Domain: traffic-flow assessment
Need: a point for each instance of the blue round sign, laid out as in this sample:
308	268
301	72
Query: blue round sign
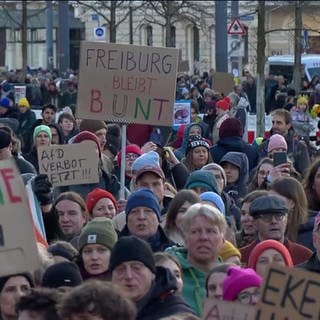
99	32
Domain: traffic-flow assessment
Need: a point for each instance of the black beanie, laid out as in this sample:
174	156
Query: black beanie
63	274
129	249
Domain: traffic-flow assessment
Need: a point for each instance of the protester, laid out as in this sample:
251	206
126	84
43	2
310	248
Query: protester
266	253
215	279
56	133
12	288
204	228
151	288
7	110
95	243
270	218
165	260
200	181
222	111
68	126
96	300
101	203
242	285
48	114
62	251
40	304
143	219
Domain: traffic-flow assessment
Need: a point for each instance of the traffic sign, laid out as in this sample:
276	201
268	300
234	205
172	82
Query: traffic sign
99	33
236	28
235	47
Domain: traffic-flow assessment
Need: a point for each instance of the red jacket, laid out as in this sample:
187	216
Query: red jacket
298	252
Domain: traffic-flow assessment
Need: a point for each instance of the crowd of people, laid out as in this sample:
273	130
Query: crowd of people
204	214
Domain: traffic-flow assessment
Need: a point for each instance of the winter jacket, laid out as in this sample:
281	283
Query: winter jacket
161	301
297	152
237	190
305	231
194	280
158	242
32	157
298	252
12	112
313	264
235	143
23	165
25	131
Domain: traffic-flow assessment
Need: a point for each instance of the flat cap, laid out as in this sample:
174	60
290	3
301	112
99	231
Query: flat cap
267	205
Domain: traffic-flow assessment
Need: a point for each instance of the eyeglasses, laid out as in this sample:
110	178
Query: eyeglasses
247	297
131	156
269	217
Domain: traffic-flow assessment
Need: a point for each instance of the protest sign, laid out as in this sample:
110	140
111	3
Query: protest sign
222	82
19	92
18	250
127	83
181	112
289	294
218	310
69	164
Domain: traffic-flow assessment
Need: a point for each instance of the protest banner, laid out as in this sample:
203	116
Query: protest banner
289	294
222	82
18	250
69	164
127	83
219	310
181	112
19	92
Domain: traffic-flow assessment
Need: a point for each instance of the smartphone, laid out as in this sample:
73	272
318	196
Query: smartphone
279	158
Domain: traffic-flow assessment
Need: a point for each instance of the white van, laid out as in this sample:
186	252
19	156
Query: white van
283	65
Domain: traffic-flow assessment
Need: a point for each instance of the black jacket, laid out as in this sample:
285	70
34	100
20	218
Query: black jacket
313	264
162	301
23	165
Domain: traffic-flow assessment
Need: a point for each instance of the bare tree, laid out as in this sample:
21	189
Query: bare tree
108	10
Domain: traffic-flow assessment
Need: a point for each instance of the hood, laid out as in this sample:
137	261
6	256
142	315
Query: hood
232	144
240	160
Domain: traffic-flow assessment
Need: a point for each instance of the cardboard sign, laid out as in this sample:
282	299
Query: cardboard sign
127	83
218	310
69	164
19	92
222	82
289	294
18	250
181	112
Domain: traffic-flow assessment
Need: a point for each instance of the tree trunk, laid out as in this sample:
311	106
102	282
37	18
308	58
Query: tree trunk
297	47
113	31
260	70
168	22
24	45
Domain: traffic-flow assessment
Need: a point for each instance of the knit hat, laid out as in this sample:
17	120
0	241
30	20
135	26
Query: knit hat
211	104
223	104
215	199
265	245
277	141
3	280
5	138
92	125
63	274
201	178
99	230
132	248
23	102
196	141
131	148
150	158
143	198
267	205
237	280
5	103
229	250
316	222
42	128
230	127
87	135
95	195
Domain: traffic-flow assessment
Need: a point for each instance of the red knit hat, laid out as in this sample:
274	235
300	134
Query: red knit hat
131	148
230	127
223	104
95	195
265	245
87	135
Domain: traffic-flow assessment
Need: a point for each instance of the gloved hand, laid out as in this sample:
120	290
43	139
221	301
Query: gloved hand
43	189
